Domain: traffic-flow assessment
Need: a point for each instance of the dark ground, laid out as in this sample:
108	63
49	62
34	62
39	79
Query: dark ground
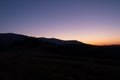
29	58
36	65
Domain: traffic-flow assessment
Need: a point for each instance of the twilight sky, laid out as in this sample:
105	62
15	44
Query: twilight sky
90	21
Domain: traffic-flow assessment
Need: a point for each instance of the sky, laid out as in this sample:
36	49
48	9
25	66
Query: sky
94	22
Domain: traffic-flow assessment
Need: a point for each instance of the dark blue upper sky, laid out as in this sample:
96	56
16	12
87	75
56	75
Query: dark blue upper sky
90	21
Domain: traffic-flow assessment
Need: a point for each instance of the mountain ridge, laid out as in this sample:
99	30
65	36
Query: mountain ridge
17	42
4	37
11	37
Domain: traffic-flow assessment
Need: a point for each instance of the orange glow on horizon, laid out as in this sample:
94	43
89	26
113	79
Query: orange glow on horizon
96	41
89	39
102	42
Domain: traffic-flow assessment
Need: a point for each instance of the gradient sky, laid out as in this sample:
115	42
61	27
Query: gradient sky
90	21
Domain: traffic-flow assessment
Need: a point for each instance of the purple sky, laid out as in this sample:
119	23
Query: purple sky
89	21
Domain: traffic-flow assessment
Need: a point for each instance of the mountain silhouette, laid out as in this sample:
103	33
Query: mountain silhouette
29	58
10	38
61	42
52	45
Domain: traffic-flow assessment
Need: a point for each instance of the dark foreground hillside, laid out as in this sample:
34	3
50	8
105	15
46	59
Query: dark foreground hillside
34	65
30	58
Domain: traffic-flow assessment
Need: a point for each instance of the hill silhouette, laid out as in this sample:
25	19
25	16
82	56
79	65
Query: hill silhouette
10	38
24	57
64	47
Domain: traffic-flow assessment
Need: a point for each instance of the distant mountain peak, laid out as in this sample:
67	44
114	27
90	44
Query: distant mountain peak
10	38
6	38
11	34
